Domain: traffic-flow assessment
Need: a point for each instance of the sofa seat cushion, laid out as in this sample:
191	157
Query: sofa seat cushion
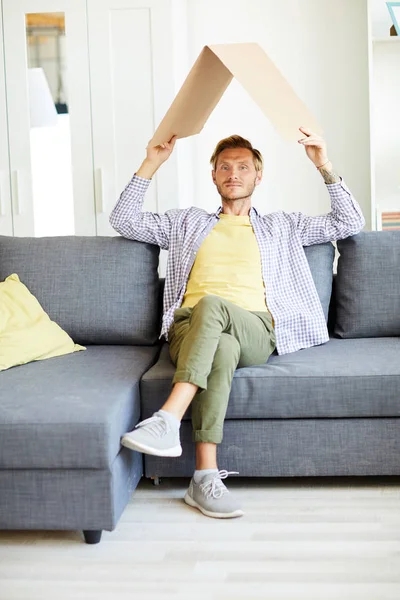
69	412
342	378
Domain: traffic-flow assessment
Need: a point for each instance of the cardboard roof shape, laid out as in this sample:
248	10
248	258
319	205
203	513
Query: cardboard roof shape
208	79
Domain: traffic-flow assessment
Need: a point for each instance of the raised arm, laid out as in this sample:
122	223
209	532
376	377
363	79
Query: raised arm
345	218
127	217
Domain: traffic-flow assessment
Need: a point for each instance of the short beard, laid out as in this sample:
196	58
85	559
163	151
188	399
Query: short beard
248	195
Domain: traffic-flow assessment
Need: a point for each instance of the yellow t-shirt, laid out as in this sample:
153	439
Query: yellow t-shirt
228	264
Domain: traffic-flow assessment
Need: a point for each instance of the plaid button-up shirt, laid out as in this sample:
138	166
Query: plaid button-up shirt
291	294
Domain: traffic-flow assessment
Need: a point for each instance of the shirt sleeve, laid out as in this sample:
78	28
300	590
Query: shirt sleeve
345	218
128	219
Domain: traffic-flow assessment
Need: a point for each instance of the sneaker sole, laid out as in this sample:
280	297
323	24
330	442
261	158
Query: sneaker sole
176	451
189	500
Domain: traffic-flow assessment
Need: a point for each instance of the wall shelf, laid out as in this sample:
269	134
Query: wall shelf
384	40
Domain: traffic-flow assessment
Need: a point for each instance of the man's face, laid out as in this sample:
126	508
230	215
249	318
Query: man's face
235	174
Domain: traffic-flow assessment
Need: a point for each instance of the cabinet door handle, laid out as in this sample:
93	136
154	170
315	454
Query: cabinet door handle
99	191
2	203
15	193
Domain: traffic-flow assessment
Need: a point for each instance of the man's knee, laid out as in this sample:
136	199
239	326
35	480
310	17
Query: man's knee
209	303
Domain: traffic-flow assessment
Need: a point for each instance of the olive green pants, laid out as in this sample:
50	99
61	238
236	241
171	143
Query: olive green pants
207	343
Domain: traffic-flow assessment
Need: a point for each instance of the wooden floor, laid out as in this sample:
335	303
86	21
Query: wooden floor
299	539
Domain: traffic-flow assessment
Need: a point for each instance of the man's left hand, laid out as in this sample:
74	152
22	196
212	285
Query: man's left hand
315	147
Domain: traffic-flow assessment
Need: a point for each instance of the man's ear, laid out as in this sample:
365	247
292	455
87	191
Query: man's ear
259	175
213	177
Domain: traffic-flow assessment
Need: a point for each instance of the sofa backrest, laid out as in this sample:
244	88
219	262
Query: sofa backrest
367	286
100	290
106	290
320	260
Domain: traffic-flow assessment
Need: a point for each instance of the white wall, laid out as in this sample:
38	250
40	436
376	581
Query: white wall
321	47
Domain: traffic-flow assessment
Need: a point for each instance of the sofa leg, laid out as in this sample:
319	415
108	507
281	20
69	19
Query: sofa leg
92	536
156	480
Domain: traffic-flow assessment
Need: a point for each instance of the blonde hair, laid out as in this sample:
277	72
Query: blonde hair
236	141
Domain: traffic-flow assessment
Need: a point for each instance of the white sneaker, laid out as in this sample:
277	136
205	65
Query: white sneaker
155	435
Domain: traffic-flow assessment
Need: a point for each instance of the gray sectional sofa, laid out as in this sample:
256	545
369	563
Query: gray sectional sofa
328	410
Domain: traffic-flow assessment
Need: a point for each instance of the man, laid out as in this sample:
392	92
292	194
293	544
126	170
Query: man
237	287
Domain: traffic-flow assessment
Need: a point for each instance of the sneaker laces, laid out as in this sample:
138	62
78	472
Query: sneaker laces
156	425
214	487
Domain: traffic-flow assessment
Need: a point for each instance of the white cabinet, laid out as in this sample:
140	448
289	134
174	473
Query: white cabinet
131	71
119	81
20	141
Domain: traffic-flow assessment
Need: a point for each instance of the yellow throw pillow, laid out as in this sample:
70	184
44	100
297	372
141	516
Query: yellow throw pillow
26	331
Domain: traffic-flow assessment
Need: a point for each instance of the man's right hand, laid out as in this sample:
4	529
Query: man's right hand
155	156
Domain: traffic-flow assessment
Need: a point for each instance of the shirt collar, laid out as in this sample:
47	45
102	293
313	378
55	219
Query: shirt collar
253	212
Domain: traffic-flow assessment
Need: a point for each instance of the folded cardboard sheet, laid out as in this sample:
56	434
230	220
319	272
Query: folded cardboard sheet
210	76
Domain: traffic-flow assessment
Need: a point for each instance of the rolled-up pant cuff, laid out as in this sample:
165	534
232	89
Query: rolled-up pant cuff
183	376
211	436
